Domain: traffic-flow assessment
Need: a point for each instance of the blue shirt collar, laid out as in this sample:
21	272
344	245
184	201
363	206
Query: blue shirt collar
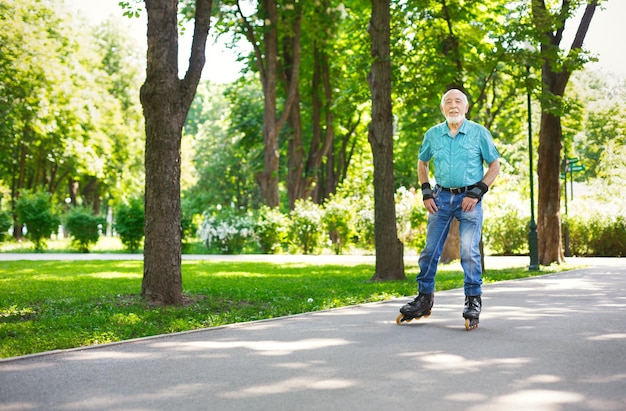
462	130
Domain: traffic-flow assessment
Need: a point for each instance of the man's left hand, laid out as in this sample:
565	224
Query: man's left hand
468	204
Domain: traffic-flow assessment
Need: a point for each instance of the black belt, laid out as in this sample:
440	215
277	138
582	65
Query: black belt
457	190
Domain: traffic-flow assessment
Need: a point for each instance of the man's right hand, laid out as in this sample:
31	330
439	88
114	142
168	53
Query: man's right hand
430	205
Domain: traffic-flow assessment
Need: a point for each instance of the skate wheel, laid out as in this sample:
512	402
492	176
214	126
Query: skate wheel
470	324
402	319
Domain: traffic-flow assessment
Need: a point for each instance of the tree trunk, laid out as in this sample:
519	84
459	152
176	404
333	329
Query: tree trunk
166	101
550	134
549	213
389	249
267	62
268	178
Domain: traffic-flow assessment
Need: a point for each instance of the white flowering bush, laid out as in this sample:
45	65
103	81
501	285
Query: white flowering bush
411	218
227	232
306	230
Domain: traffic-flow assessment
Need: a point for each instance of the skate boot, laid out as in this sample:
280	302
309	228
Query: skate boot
471	311
420	307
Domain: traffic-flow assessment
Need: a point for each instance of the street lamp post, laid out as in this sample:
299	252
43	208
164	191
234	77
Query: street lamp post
533	243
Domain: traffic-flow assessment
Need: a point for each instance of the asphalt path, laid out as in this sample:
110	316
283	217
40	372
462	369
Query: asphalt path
554	342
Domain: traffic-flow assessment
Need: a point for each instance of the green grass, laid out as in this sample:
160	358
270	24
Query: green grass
49	305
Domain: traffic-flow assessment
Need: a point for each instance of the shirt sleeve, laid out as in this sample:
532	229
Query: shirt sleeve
426	151
488	148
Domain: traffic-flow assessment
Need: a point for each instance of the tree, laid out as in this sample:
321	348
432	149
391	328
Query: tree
166	100
267	59
389	249
555	74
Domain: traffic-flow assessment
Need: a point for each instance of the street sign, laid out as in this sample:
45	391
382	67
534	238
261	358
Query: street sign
576	168
571	160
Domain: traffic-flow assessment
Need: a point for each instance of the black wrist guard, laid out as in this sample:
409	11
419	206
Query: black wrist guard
478	191
427	192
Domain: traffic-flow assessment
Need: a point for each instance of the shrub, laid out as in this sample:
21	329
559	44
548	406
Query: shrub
34	210
84	227
306	226
129	223
505	232
227	231
5	224
364	225
411	217
271	229
337	218
597	235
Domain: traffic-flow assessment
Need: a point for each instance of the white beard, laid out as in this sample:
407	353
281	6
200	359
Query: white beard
455	119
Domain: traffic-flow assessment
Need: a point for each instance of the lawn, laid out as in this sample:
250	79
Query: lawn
50	305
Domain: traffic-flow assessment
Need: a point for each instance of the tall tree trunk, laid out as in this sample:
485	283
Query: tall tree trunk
549	215
166	100
295	162
554	81
267	62
389	249
268	178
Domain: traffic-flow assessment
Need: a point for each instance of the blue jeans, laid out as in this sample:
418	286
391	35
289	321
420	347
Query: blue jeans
470	227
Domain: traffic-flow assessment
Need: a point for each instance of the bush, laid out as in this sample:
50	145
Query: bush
506	232
129	223
227	231
597	236
271	229
411	217
306	226
34	210
364	224
84	227
337	218
5	224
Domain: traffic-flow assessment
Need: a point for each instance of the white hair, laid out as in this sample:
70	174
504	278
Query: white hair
443	98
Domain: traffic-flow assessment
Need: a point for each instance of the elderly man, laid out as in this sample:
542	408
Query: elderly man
458	147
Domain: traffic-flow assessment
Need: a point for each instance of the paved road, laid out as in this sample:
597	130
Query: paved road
556	342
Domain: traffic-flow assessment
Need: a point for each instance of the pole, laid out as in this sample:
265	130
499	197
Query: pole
533	242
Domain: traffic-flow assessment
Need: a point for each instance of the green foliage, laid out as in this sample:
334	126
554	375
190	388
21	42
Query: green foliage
35	211
129	223
69	103
306	230
225	124
84	227
271	229
338	219
505	232
597	235
50	305
5	224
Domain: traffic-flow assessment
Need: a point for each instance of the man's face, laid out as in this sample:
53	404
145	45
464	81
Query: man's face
454	107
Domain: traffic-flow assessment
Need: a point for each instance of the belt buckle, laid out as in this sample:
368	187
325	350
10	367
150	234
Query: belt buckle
455	190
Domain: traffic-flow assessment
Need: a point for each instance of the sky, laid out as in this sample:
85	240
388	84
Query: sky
604	38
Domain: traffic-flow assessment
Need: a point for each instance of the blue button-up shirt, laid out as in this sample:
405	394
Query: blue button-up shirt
458	160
